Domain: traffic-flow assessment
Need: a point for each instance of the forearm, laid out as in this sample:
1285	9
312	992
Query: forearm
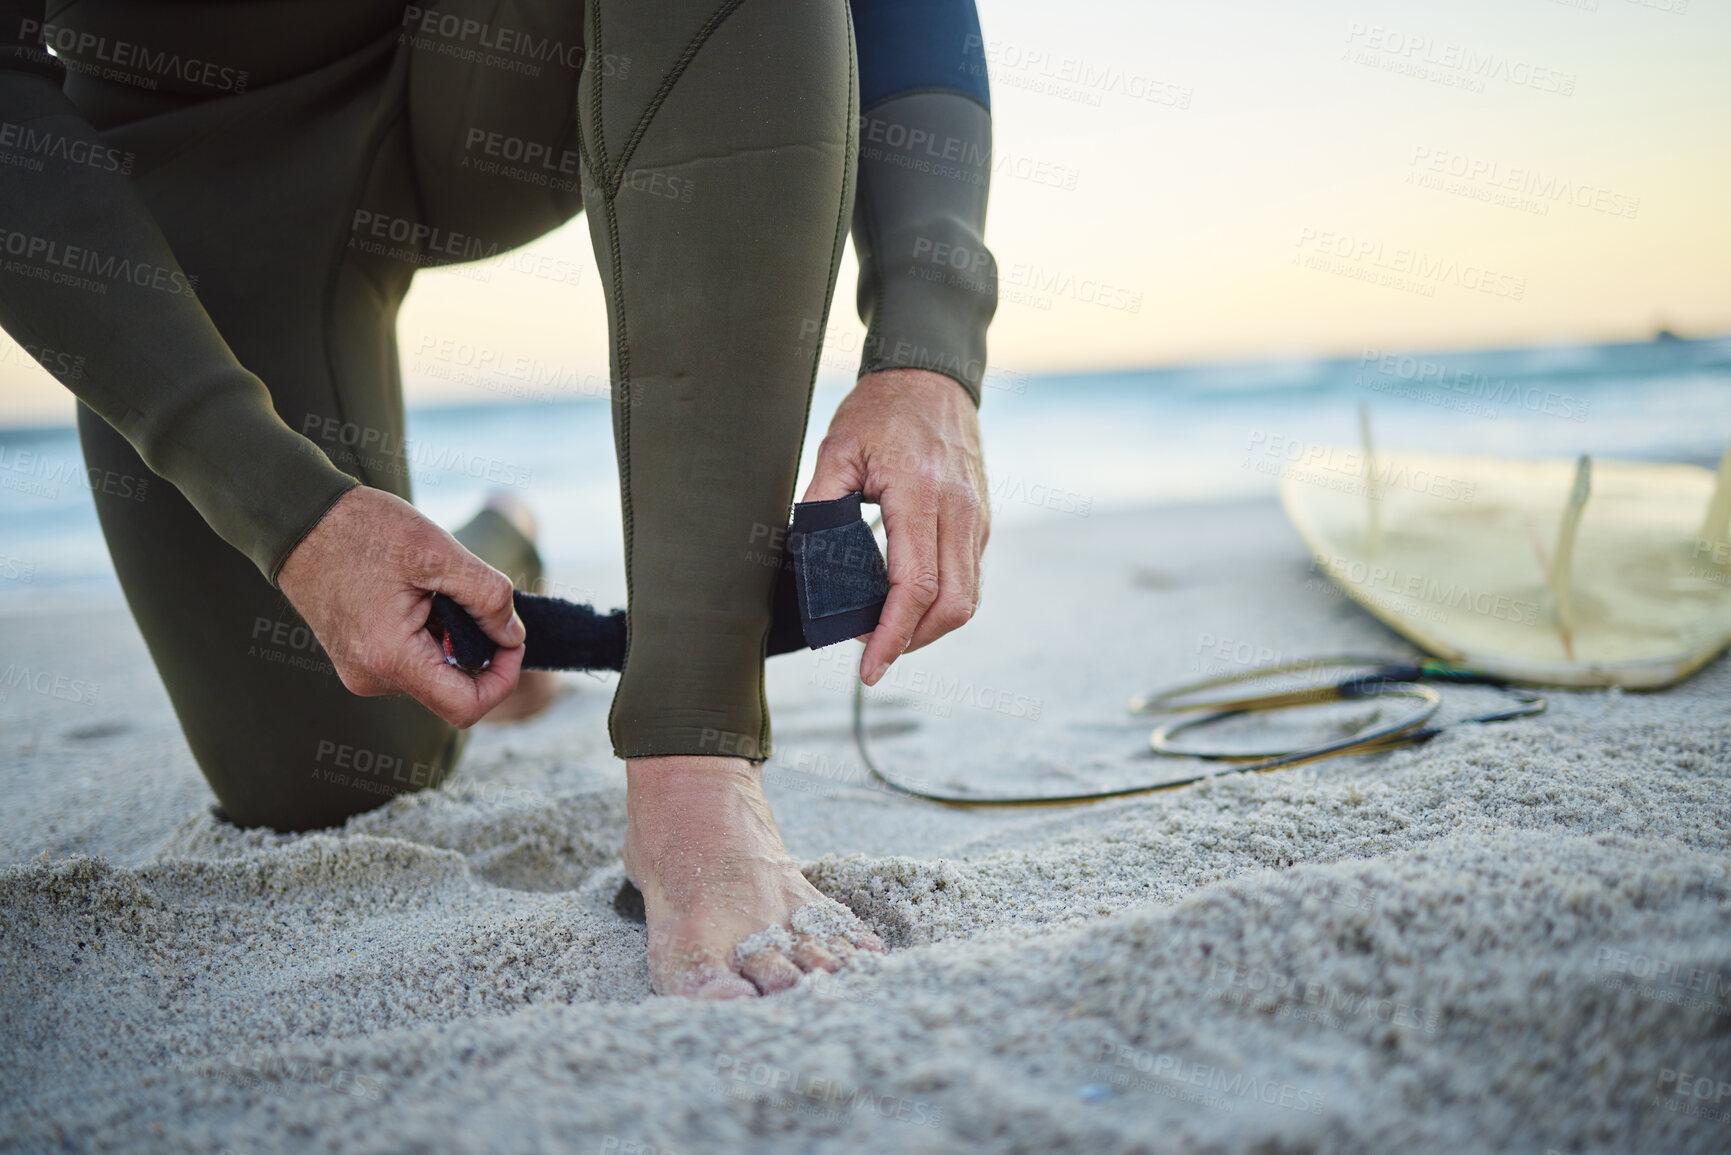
928	284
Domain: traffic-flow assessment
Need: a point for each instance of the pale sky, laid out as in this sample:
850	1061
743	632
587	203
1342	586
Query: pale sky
1254	178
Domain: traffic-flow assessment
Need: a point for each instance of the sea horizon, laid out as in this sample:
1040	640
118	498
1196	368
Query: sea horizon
1057	444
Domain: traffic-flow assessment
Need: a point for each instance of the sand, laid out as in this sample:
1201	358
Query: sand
1516	938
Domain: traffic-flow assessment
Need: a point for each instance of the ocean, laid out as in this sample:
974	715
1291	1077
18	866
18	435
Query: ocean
1057	446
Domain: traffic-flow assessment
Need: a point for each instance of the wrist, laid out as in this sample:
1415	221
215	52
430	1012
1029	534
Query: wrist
931	386
302	555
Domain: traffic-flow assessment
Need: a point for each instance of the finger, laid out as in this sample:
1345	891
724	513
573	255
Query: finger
463	699
959	546
499	680
479	589
459	698
911	524
364	670
837	474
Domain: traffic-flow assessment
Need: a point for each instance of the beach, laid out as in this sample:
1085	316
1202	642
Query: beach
1367	361
1512	938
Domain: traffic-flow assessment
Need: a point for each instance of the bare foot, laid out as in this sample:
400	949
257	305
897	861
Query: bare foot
730	915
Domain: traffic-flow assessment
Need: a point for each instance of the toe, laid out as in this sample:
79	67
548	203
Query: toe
810	954
709	979
770	971
865	939
840	946
693	970
728	986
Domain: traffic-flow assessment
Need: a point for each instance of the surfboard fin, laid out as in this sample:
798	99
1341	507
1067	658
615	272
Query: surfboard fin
1372	498
1563	557
1716	526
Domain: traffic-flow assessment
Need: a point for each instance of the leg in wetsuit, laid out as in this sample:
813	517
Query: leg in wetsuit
305	202
706	300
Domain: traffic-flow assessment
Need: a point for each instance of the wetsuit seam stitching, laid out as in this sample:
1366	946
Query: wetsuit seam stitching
622	390
596	114
616	178
622	340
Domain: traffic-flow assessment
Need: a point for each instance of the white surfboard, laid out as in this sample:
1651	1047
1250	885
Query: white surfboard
1490	563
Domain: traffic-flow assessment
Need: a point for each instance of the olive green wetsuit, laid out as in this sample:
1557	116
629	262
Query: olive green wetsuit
218	208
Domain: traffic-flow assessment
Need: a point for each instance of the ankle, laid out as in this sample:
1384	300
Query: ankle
682	771
677	804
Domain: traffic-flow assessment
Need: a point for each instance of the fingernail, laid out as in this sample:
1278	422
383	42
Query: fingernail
876	672
517	629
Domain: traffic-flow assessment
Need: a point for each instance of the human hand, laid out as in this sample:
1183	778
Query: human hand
364	581
909	439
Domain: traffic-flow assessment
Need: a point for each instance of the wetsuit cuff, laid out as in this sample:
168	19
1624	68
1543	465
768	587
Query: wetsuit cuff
260	485
935	325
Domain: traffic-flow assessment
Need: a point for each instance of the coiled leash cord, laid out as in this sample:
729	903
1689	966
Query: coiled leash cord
1387	678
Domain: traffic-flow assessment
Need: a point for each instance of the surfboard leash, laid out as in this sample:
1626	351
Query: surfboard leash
1386	678
833	586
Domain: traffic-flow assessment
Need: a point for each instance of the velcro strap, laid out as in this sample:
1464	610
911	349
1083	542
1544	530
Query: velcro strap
839	574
